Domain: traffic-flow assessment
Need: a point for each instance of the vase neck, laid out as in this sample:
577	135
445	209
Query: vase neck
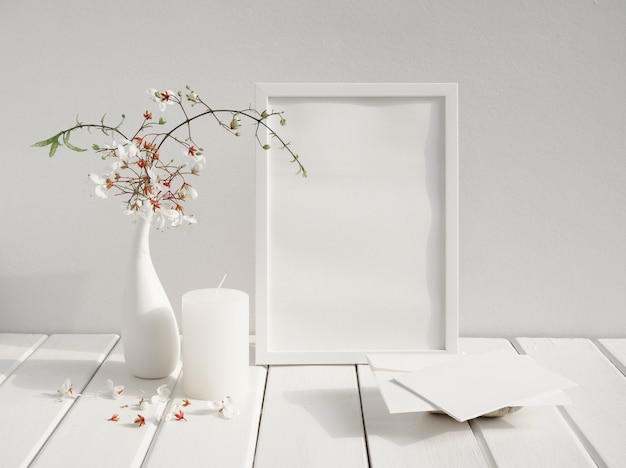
141	235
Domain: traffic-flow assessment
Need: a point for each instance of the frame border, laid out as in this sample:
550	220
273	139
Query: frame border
449	92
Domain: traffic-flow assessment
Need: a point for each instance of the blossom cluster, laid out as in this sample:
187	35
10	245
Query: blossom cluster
151	176
155	404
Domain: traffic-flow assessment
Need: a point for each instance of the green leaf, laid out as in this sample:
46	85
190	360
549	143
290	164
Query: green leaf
66	141
103	126
53	148
47	142
53	142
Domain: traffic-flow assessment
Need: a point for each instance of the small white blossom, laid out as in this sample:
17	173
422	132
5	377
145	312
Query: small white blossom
170	414
113	391
127	151
188	192
197	168
163	98
66	390
225	407
163	394
116	165
158	219
194	158
173	216
102	185
157	184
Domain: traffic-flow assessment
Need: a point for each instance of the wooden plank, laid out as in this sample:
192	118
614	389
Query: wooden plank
615	350
414	439
206	437
30	408
534	436
87	437
14	349
311	418
598	414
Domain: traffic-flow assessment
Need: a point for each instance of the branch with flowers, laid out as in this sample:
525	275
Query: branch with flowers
139	170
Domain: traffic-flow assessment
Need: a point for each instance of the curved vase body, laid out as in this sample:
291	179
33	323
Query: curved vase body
149	329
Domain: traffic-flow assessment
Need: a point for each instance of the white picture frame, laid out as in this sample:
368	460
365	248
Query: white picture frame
362	255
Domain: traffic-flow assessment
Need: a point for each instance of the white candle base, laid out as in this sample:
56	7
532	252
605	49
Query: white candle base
215	343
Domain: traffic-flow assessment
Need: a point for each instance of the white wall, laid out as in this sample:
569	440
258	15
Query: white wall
542	165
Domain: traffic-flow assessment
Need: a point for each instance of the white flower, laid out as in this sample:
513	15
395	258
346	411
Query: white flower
158	219
226	407
160	400
114	391
195	162
188	192
170	414
190	219
102	185
127	151
115	165
66	390
155	181
134	209
163	98
194	157
173	216
163	394
181	217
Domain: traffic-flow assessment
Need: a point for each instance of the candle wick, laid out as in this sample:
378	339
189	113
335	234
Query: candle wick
221	283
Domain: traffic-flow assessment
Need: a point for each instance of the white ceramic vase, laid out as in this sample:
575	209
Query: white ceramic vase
150	335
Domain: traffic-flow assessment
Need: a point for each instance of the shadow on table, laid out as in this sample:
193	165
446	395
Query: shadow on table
338	411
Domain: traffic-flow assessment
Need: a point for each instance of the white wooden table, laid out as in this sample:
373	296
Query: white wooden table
295	416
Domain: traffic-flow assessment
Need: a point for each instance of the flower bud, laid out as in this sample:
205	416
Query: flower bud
188	191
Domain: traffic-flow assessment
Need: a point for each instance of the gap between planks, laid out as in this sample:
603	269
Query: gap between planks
597	414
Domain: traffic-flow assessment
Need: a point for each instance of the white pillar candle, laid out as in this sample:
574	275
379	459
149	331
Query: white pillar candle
215	343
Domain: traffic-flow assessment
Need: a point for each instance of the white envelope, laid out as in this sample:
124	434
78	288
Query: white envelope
390	369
